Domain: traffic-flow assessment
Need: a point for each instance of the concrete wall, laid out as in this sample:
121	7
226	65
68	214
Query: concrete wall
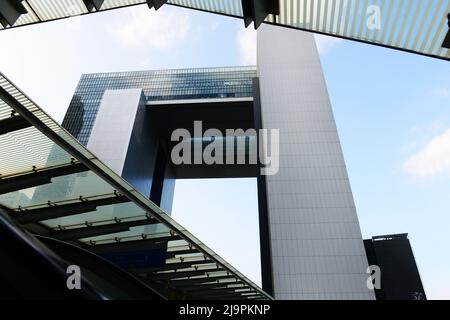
123	138
316	242
113	126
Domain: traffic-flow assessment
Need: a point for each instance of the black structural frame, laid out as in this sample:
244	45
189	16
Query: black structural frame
256	11
10	11
13	123
156	3
93	4
446	43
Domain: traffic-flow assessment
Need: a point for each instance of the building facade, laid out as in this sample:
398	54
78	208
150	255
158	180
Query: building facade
316	241
311	243
399	275
159	85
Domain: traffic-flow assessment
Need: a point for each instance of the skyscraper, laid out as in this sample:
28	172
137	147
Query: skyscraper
317	247
311	243
399	275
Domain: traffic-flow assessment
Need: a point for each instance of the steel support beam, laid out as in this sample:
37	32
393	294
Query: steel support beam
58	211
172	254
156	3
148	244
93	4
446	43
38	177
10	11
181	274
208	286
209	279
231	290
12	124
93	231
256	11
174	266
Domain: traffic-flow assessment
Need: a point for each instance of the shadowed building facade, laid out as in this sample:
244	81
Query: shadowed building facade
311	243
399	274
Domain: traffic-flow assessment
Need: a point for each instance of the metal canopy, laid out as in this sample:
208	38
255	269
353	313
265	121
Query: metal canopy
413	26
53	186
64	208
37	177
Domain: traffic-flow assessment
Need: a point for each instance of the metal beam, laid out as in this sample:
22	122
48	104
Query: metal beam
38	177
93	4
172	254
148	244
13	123
174	266
216	285
10	11
58	211
181	274
156	3
228	290
446	43
93	231
209	279
258	10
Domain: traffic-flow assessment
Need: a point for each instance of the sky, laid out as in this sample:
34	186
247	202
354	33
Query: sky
392	111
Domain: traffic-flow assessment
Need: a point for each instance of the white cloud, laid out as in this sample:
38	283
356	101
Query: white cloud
247	45
326	43
432	160
162	30
441	92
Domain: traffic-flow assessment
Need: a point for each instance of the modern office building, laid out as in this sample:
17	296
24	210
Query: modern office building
399	275
311	243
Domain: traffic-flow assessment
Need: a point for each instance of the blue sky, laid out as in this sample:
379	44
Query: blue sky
392	110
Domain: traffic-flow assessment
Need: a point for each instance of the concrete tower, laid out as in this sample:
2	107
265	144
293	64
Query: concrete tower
316	243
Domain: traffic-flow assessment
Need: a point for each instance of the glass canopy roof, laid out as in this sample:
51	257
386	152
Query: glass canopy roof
53	186
411	25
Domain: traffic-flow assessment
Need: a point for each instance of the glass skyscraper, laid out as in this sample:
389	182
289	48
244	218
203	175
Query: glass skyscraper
160	85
